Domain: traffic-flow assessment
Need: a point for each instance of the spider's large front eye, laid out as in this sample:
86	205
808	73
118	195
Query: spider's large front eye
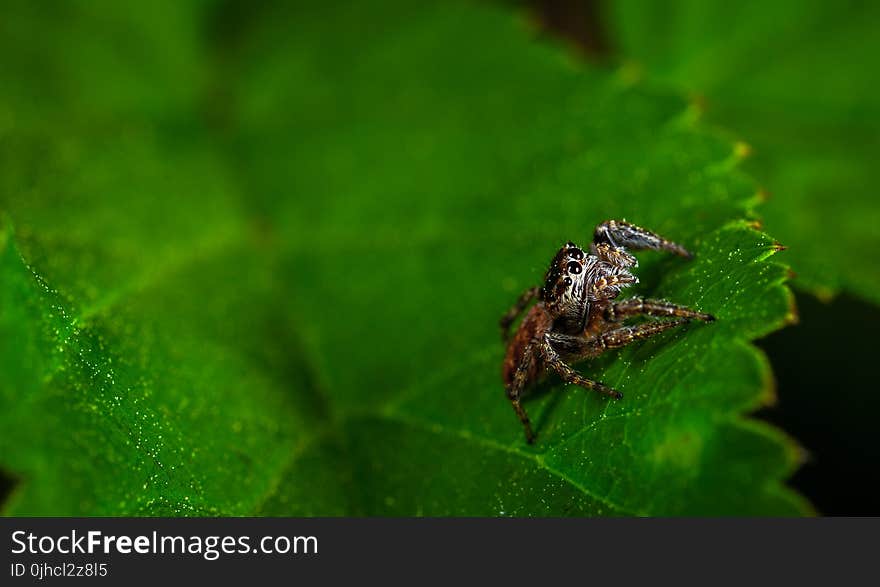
576	254
574	267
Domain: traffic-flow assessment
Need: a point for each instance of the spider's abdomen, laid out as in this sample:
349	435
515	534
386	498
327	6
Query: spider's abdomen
536	323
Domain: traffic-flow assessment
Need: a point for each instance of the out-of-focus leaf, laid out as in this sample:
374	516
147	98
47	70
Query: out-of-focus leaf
800	82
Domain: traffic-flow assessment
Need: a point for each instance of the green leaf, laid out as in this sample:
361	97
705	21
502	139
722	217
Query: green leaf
799	82
262	274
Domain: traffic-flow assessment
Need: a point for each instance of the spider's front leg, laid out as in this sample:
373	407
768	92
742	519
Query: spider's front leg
613	236
524	299
637	306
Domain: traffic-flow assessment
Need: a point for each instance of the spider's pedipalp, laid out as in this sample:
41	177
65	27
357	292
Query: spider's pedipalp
614	255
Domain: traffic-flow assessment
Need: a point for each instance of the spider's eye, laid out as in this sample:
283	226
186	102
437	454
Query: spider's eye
567	281
576	254
574	267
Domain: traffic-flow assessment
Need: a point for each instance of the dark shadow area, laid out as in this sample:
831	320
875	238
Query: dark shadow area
580	22
7	483
829	401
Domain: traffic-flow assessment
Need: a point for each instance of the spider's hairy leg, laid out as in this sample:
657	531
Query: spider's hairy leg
612	235
516	387
513	313
637	306
618	337
569	375
584	347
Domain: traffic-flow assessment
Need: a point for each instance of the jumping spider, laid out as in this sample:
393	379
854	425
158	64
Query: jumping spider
576	316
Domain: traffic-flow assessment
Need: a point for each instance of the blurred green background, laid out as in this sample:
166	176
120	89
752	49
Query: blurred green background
253	254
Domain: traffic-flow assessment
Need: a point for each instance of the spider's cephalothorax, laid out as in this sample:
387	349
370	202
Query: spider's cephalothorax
577	317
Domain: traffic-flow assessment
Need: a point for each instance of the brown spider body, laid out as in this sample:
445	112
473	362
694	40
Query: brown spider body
577	316
536	323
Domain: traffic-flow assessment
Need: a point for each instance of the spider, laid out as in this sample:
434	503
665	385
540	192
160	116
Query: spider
577	317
